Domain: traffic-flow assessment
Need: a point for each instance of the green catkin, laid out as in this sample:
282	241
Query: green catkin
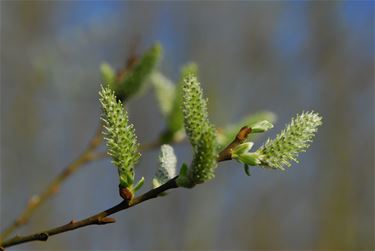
295	138
120	136
201	133
135	79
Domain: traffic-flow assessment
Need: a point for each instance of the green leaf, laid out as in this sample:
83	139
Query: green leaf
242	148
261	126
139	185
228	133
252	159
184	169
183	180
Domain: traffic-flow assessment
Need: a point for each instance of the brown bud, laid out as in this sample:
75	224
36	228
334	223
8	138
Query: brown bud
125	193
243	133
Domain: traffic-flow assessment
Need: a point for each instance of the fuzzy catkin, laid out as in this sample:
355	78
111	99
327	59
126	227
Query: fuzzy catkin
295	138
167	168
201	133
120	136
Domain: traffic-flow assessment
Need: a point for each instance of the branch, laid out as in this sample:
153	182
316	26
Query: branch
97	219
36	201
87	156
102	217
241	136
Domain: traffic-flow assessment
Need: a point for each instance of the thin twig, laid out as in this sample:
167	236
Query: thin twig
85	157
37	200
241	136
88	155
101	218
97	219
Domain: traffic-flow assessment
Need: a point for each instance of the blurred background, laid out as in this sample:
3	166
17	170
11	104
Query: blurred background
283	56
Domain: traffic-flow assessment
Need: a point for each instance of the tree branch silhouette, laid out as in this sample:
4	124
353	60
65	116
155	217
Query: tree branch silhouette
102	218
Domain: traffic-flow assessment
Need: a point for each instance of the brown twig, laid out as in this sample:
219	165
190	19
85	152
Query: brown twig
36	201
241	136
101	218
85	157
97	219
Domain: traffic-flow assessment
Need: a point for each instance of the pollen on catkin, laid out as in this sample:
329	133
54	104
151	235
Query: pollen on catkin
295	138
120	136
201	133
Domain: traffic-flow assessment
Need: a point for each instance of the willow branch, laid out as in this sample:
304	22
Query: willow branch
241	136
87	156
36	201
102	217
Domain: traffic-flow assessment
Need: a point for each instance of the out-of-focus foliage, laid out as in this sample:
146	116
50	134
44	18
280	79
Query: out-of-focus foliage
132	81
281	56
108	74
164	91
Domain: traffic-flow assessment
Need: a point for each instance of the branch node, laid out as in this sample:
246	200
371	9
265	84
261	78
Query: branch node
125	193
241	136
43	237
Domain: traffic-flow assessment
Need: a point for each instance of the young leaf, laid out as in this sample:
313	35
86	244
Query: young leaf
242	148
138	185
227	134
261	126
